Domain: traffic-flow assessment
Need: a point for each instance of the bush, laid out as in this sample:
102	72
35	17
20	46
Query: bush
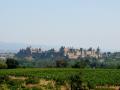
15	82
76	82
79	64
3	66
12	63
3	79
91	85
4	87
61	63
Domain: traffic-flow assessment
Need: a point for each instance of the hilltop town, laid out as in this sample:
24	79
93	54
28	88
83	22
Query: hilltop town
64	57
69	53
63	53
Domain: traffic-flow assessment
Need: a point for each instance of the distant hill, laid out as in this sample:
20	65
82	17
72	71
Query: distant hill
10	47
14	47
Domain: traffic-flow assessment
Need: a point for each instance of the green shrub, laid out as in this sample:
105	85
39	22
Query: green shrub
3	66
91	85
76	82
15	82
3	79
12	63
4	87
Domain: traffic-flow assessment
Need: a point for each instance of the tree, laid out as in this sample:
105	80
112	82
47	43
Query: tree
61	51
61	63
79	64
12	63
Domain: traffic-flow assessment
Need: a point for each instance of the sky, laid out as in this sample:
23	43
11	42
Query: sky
73	23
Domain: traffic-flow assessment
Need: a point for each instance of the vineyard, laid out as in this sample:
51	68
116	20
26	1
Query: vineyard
94	77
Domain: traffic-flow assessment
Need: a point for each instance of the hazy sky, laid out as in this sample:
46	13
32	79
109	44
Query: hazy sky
79	23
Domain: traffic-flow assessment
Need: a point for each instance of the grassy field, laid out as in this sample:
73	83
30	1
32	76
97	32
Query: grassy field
95	77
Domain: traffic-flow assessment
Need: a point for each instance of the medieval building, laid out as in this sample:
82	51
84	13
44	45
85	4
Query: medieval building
70	53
